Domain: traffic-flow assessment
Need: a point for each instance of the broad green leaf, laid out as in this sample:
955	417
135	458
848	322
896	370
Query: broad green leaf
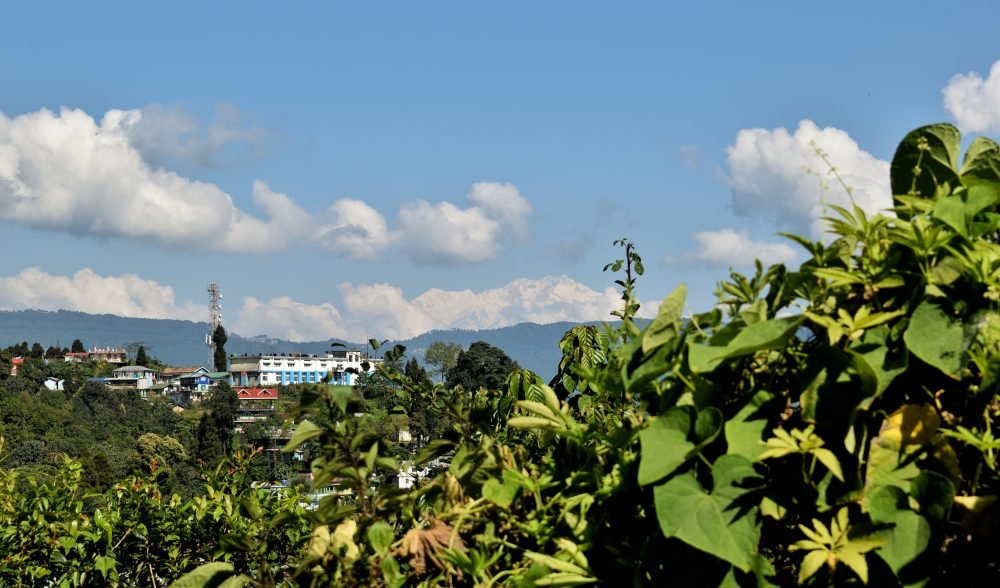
712	521
341	396
891	454
664	326
811	564
664	443
828	459
936	339
525	422
305	431
910	533
772	334
909	537
564	579
744	432
951	211
707	426
934	494
555	563
538	408
380	537
982	162
938	161
211	575
500	492
884	502
873	349
104	564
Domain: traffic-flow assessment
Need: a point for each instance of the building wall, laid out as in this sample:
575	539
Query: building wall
277	370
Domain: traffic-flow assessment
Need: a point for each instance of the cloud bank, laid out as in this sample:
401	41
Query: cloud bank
86	291
69	172
727	248
974	102
365	310
778	175
383	310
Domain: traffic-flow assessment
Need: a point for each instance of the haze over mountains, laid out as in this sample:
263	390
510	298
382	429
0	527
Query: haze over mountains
177	342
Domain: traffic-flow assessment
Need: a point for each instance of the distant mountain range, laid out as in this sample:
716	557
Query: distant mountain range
175	342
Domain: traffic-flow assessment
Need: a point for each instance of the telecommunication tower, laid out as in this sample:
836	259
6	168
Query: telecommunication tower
214	318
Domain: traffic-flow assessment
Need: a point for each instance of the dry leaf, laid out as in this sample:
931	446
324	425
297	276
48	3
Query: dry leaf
427	544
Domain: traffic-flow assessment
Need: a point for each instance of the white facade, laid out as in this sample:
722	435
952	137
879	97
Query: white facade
288	369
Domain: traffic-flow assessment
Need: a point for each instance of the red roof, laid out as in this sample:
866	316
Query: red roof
257	393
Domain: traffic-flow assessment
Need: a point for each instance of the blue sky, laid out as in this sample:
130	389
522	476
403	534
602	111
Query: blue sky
343	169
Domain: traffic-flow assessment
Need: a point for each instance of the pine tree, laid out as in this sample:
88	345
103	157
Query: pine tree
219	339
141	358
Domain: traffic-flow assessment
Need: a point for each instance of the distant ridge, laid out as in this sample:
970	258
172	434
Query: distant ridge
177	342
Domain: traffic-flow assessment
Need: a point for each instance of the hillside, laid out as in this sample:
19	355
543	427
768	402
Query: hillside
534	346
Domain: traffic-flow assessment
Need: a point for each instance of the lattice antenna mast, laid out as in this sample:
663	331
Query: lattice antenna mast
214	318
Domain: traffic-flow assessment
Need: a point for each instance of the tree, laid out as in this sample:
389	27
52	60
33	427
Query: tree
224	405
37	351
442	356
414	372
482	366
219	339
141	358
77	346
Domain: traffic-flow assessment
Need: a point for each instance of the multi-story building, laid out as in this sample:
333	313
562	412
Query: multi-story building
293	368
132	376
108	354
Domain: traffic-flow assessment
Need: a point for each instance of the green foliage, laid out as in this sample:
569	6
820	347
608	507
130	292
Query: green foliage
832	424
480	366
219	338
441	356
141	358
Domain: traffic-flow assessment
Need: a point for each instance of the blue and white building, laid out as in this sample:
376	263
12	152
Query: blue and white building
292	368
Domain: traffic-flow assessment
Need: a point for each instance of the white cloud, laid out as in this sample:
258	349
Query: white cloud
445	233
165	133
383	311
86	291
726	247
777	175
973	101
354	229
285	318
365	310
68	172
504	203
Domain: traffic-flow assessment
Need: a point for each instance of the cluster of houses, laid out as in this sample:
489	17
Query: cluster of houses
255	379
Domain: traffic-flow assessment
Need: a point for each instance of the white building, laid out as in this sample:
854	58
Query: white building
132	376
293	368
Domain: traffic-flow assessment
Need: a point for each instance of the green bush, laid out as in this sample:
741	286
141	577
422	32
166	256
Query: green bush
828	425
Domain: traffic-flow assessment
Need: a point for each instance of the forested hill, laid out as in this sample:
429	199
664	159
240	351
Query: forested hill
533	346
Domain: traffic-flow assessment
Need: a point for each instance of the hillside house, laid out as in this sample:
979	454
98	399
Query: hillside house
109	354
256	404
14	363
132	376
296	368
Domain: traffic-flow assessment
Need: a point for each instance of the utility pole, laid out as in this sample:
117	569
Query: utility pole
214	319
